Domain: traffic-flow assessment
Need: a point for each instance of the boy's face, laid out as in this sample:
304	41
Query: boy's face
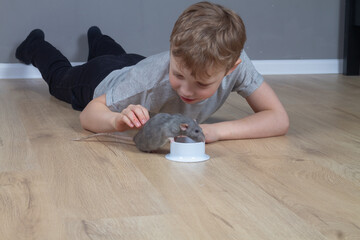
192	90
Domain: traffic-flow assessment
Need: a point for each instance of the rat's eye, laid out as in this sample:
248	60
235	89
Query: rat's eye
197	131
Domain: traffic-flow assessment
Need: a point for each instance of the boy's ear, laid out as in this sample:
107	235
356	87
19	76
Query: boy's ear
184	126
234	67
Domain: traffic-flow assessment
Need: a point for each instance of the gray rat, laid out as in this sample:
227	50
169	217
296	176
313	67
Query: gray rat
159	129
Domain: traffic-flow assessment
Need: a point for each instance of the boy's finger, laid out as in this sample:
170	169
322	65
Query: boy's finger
126	120
146	114
131	116
134	118
141	114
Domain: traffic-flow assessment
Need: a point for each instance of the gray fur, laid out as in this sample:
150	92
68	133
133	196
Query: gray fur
158	129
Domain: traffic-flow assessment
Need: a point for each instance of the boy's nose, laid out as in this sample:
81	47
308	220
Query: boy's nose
186	90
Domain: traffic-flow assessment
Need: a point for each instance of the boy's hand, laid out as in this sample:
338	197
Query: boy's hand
132	116
210	133
97	117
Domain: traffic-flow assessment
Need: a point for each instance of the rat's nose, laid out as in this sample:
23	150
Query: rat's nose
200	137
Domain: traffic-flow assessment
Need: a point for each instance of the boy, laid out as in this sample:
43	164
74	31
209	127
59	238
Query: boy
116	90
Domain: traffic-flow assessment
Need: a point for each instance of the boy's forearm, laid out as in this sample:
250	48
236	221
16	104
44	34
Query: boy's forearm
96	117
270	118
259	125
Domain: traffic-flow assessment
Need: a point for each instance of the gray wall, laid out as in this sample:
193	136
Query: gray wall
277	29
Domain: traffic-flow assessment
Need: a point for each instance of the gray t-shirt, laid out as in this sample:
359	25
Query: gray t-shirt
147	83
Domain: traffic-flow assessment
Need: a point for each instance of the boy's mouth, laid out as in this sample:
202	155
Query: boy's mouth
187	100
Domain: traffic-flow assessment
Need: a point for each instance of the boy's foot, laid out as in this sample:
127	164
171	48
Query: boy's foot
93	34
22	52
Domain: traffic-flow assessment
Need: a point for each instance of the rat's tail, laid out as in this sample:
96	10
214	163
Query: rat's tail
117	137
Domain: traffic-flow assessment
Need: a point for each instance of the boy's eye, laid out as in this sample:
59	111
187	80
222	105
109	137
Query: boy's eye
178	76
202	84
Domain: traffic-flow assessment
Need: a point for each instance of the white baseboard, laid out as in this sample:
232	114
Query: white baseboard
19	70
265	67
306	66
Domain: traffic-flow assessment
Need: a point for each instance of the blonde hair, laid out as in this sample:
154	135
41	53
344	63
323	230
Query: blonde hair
207	36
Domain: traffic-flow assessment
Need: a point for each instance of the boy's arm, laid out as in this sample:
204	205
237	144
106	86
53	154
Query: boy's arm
270	119
97	117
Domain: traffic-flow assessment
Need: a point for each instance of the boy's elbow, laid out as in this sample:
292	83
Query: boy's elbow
82	120
284	123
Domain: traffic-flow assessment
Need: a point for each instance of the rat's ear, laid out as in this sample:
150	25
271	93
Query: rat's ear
184	126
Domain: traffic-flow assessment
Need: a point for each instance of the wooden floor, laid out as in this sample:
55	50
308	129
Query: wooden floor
305	185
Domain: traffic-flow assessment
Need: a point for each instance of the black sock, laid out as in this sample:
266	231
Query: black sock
26	49
93	34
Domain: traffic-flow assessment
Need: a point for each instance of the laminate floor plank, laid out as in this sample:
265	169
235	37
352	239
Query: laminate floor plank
305	185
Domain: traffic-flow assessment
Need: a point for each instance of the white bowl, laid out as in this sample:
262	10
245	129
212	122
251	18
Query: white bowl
184	149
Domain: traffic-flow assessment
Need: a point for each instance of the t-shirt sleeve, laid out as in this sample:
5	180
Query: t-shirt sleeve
118	104
247	78
132	90
139	84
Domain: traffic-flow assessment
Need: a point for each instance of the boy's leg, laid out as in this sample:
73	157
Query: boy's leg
50	62
74	85
100	44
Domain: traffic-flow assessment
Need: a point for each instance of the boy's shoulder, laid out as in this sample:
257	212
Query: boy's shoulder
154	67
246	78
159	58
246	64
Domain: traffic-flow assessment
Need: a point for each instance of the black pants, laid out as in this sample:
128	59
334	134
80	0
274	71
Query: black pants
76	85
